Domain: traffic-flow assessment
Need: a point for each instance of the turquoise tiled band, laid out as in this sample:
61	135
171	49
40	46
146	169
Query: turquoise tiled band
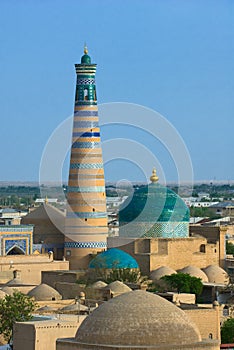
86	189
85	245
85	124
86	145
87	214
86	166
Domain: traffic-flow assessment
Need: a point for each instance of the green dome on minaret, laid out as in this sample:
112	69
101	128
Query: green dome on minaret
85	59
154	211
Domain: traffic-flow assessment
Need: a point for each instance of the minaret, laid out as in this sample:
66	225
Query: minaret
86	220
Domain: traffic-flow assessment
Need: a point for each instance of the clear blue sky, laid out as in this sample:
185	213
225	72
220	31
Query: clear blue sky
175	56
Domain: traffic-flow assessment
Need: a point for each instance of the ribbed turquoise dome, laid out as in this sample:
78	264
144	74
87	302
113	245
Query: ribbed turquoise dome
113	258
154	211
163	205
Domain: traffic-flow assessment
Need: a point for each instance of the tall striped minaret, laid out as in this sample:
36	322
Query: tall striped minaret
86	219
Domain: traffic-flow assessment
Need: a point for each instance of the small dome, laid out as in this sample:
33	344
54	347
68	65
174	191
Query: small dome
195	272
9	290
85	59
2	294
113	258
47	308
99	284
160	272
44	292
118	287
140	319
75	308
14	282
216	274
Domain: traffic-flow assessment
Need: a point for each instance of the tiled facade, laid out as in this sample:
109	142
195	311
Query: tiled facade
16	239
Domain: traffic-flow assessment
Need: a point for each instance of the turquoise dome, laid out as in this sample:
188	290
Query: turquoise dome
85	59
113	258
154	211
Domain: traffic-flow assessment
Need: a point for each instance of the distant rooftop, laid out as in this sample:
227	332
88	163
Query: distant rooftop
223	204
8	210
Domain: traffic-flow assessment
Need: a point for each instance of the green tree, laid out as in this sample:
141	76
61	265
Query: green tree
16	307
203	212
227	332
229	248
123	275
184	283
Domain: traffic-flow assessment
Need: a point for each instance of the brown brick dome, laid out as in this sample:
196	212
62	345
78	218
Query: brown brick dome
160	272
118	287
216	274
43	292
195	272
137	318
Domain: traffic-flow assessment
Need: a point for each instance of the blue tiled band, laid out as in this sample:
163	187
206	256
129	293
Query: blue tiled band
86	166
86	145
85	124
86	215
86	113
85	81
85	245
86	189
86	134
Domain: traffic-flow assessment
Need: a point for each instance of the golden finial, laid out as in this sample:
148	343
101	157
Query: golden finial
154	177
46	200
85	49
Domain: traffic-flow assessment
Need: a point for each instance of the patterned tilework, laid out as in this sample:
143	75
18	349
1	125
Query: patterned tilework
85	81
16	228
86	145
19	243
158	229
86	189
169	230
16	236
86	166
85	124
86	113
37	247
86	214
85	244
86	184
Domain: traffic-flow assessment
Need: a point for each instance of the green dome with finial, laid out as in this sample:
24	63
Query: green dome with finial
154	211
85	59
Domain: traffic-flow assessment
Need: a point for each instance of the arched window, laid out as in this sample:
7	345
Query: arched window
86	94
15	250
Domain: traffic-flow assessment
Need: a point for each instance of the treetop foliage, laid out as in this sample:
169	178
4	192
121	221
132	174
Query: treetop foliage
184	283
16	307
227	331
